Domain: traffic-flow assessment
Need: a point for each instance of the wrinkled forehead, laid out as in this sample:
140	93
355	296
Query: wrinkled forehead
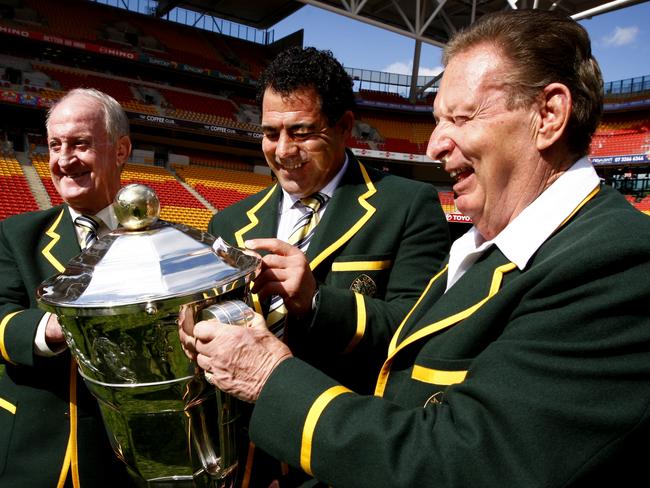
77	113
479	70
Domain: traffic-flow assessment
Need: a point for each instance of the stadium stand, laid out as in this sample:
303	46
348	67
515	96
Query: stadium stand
190	93
222	187
15	194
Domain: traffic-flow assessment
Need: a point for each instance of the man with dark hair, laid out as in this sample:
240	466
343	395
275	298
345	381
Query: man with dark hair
526	361
51	431
334	291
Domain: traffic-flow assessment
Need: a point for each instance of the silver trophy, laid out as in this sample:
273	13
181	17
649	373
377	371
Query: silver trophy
120	303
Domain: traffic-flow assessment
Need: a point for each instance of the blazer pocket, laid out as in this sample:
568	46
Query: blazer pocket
437	376
432	378
7	420
365	274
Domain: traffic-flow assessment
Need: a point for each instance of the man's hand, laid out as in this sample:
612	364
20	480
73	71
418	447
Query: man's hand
238	360
285	272
54	333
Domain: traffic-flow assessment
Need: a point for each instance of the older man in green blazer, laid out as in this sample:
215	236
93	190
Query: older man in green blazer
526	361
343	286
51	432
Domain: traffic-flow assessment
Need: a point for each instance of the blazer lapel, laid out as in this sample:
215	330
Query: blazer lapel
261	221
347	212
262	218
59	242
436	311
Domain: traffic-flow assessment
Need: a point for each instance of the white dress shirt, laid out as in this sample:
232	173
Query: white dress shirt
522	237
290	213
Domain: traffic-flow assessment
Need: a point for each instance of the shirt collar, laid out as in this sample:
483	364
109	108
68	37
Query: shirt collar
288	201
106	215
522	237
534	225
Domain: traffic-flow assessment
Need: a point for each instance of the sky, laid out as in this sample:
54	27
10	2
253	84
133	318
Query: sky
620	42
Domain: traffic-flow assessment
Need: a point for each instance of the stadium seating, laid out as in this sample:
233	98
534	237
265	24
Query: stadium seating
447	201
620	142
70	78
177	203
40	162
222	187
15	194
194	96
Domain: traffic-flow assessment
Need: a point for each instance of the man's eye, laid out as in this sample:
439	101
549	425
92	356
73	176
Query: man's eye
54	146
271	136
301	136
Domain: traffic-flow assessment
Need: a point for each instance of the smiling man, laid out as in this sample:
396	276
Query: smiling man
526	360
335	291
51	433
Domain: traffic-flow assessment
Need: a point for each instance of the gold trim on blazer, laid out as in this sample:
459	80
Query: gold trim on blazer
437	376
362	265
310	424
10	407
239	236
3	326
370	210
71	460
361	323
393	342
51	232
495	285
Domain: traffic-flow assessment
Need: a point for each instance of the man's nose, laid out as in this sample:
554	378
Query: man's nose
66	151
286	146
440	145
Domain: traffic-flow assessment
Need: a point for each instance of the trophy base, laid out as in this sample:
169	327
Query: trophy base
199	481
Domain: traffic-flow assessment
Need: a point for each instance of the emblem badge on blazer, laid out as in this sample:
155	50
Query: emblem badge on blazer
435	399
365	285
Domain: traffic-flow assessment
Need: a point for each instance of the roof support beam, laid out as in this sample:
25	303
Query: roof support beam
412	33
165	6
601	9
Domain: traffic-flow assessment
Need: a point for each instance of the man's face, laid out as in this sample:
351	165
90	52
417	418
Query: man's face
489	151
301	149
84	165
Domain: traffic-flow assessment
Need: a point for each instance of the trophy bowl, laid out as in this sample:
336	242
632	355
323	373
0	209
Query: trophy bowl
120	303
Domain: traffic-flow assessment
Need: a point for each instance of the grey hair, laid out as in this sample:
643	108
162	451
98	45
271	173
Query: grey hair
115	119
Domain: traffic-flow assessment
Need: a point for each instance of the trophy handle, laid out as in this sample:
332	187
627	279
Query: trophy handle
233	312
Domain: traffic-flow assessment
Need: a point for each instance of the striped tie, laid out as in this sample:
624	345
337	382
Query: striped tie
303	230
300	237
90	226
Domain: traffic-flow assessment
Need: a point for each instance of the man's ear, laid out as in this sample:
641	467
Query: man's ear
554	110
346	123
123	150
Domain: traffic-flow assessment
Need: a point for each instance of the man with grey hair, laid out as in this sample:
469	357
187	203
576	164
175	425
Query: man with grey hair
526	360
51	433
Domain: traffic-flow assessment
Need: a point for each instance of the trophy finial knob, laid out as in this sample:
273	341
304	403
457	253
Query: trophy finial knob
136	206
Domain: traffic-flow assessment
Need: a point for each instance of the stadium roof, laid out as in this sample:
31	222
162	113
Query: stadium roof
428	21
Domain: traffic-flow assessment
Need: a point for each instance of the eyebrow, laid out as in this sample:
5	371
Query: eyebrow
292	127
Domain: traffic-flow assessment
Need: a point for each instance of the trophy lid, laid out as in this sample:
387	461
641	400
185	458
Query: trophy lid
146	260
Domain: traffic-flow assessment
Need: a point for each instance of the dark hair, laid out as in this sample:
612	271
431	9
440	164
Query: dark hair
543	47
297	68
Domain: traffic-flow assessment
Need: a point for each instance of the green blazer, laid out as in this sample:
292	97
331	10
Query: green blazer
377	244
36	393
513	378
